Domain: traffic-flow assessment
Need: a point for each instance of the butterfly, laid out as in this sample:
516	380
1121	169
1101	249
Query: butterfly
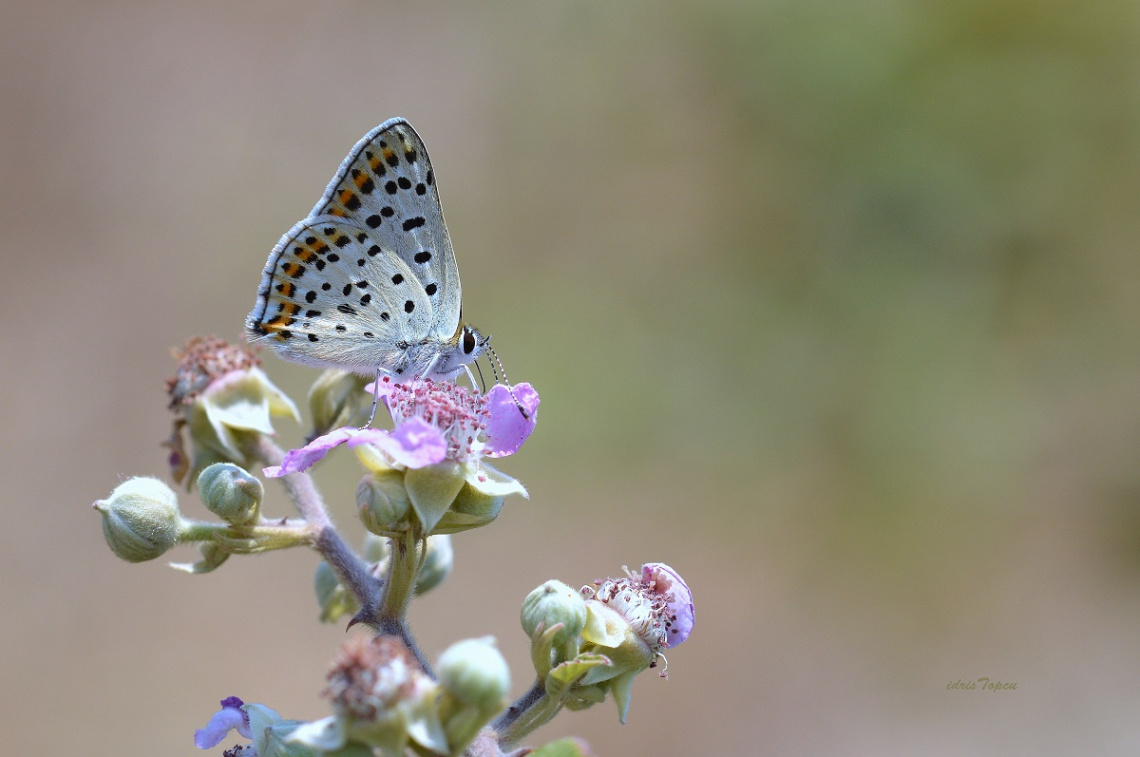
367	282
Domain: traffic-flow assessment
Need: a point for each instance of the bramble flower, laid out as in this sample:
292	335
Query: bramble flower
220	395
434	454
433	421
630	621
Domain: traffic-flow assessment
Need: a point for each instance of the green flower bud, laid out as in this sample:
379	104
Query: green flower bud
437	563
231	493
384	503
376	548
140	519
475	680
334	600
552	603
337	398
475	673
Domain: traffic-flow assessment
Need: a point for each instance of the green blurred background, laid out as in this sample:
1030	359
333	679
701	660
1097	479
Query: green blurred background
834	306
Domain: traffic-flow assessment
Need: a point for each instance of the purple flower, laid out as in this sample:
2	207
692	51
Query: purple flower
231	716
434	421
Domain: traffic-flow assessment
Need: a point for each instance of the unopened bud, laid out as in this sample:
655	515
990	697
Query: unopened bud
140	519
383	502
437	563
474	671
554	602
231	493
337	398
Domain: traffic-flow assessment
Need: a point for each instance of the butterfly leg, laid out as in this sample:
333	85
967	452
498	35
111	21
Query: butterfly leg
375	400
471	378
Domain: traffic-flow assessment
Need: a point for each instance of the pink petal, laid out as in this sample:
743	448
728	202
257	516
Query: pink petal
508	427
679	597
413	444
297	460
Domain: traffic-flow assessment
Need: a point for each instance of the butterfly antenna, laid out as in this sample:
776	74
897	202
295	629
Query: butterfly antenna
505	380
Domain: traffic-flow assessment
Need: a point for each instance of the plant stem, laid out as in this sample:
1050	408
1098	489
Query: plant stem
349	567
528	712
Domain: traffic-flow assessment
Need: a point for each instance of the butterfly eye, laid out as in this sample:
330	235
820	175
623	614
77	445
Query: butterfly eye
468	341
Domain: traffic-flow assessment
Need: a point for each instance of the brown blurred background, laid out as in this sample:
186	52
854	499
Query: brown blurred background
834	306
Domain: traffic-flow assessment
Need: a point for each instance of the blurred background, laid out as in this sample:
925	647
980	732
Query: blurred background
834	306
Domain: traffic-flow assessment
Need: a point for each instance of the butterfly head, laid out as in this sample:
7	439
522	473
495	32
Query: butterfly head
454	355
471	343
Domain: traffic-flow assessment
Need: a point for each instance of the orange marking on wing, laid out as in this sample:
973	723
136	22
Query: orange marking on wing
276	323
344	196
292	269
335	211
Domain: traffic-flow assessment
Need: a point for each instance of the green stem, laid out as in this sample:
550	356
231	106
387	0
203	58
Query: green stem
533	709
401	583
199	530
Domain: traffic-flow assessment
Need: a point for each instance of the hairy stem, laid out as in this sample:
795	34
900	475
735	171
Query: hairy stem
349	567
401	581
527	713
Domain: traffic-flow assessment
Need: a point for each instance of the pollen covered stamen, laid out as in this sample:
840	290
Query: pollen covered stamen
646	611
460	415
202	360
369	676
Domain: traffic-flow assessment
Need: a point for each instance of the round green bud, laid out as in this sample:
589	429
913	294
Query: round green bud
437	563
383	502
475	673
376	548
333	599
140	519
325	582
337	398
552	603
231	493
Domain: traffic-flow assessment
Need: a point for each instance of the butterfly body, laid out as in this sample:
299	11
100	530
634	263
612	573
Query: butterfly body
368	281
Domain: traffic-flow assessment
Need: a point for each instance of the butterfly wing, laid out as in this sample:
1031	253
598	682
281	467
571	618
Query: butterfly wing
386	186
332	294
